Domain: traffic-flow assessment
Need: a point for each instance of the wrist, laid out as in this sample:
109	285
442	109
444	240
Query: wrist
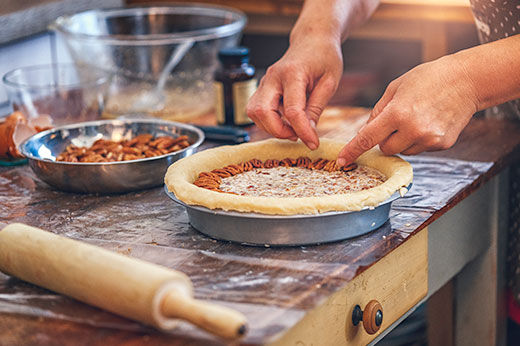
310	31
466	86
493	71
332	18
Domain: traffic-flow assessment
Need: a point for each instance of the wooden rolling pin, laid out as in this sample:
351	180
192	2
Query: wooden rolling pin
136	289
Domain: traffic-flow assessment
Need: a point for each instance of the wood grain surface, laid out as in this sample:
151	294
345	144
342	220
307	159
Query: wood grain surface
273	287
394	285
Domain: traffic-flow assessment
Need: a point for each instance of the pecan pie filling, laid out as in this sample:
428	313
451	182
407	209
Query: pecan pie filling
290	178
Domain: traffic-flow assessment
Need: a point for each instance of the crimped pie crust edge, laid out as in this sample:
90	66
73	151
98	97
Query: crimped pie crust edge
181	175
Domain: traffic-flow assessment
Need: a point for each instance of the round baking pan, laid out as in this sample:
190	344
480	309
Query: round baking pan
286	230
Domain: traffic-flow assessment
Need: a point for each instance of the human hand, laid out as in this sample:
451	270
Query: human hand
296	89
423	110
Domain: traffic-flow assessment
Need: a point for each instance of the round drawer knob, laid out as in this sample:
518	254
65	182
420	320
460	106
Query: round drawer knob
372	316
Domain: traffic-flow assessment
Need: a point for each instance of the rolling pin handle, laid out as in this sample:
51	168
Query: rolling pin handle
219	320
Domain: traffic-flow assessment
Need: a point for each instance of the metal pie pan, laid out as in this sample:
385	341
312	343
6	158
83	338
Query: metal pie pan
286	230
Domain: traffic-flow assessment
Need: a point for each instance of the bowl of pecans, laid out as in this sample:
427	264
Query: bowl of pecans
109	156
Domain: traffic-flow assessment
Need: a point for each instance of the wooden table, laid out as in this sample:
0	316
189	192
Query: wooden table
446	228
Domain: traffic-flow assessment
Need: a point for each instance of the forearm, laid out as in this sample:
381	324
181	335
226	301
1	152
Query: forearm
333	19
493	69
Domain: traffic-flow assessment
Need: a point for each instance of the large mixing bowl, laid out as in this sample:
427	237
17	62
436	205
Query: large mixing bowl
172	46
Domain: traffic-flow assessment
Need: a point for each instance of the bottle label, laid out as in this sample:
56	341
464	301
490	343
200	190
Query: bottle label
220	106
242	91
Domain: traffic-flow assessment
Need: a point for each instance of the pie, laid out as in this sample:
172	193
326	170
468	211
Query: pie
285	178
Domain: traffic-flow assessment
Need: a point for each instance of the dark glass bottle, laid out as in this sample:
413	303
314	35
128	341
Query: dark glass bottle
235	82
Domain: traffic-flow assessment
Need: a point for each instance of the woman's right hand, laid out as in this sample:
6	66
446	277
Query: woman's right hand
295	90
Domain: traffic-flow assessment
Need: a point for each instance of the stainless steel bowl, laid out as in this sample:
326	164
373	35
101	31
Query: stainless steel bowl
105	177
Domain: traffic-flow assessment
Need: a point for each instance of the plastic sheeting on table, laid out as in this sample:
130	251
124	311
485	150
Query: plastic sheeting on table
272	286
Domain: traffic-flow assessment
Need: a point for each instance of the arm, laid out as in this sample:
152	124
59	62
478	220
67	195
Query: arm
494	71
333	18
426	108
295	90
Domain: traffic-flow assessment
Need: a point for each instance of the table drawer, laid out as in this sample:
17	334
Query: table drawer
398	282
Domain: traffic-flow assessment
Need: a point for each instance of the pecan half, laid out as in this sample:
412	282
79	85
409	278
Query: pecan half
271	163
303	162
331	166
288	162
246	166
256	163
349	167
234	169
206	183
319	163
221	173
211	176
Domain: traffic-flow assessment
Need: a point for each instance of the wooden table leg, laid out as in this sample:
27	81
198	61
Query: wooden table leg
468	245
439	313
480	309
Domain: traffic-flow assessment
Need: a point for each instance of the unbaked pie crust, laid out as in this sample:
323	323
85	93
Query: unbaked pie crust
181	175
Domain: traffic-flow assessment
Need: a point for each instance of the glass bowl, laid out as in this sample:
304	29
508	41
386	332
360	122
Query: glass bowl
66	92
163	57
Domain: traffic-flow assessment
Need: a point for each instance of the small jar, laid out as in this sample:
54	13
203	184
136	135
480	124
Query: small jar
235	82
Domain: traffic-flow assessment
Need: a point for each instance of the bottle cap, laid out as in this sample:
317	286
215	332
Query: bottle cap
234	55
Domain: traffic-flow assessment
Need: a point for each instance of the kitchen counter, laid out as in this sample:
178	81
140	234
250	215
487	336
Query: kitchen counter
448	221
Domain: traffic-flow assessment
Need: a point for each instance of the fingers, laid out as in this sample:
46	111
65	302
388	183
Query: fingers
431	143
298	114
373	133
384	100
284	120
415	149
294	106
320	96
263	110
272	123
396	143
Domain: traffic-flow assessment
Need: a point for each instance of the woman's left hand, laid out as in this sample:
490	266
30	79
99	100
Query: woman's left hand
423	110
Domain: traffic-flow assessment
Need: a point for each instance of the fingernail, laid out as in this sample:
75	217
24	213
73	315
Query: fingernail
313	124
312	146
294	139
341	162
